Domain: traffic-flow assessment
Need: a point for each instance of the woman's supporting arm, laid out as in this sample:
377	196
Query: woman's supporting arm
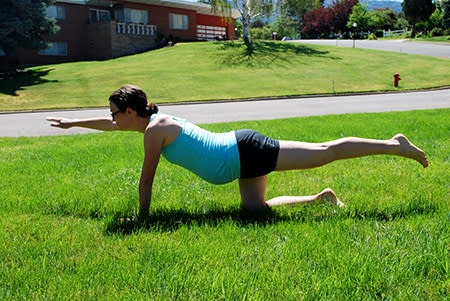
153	141
102	124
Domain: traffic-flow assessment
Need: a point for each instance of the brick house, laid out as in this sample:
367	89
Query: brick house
103	29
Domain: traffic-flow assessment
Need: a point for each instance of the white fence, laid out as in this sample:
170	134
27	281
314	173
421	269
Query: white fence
391	33
134	28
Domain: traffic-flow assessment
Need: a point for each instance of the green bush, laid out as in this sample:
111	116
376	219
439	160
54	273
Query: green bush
379	33
263	33
437	32
372	36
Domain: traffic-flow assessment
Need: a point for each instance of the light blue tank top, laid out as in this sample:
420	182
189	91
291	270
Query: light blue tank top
214	157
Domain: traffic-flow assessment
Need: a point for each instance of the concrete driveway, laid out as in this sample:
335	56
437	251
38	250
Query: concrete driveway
34	124
405	46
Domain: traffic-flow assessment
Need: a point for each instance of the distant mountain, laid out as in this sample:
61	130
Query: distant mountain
394	5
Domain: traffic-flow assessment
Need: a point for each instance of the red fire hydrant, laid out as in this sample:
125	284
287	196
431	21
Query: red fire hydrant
396	79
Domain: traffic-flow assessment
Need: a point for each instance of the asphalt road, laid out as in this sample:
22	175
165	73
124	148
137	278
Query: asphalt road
34	123
405	46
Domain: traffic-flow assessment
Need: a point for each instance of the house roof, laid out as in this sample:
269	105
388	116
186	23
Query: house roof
200	8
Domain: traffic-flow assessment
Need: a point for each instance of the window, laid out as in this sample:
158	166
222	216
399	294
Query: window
178	22
98	15
129	15
56	48
2	53
211	33
56	11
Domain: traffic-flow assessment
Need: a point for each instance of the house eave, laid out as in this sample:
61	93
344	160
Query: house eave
200	8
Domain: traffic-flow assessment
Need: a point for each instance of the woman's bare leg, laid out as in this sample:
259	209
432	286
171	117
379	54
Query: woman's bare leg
253	192
301	155
253	195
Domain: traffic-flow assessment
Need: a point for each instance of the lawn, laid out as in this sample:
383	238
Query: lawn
61	199
442	39
211	71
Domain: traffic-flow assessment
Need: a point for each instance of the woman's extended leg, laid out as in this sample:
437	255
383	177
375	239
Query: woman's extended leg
253	195
300	155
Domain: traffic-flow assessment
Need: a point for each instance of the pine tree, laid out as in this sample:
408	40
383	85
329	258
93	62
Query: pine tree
446	14
417	11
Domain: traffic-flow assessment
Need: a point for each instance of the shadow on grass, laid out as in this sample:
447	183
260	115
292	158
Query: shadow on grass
172	220
11	82
265	53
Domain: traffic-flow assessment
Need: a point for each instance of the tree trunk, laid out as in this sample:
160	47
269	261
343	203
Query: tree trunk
413	31
11	62
246	26
245	35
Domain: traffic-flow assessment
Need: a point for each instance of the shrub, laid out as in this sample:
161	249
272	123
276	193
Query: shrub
372	36
379	33
437	32
264	33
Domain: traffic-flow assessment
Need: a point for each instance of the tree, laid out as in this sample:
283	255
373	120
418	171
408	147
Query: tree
364	19
326	20
249	10
446	14
340	12
285	27
435	19
416	11
23	23
293	11
385	19
316	23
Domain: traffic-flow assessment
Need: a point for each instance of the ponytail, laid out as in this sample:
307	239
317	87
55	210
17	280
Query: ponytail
152	109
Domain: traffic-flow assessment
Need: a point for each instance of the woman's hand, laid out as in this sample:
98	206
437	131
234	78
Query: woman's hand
60	122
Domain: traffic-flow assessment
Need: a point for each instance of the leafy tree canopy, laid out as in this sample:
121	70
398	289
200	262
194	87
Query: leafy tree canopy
417	11
446	14
23	23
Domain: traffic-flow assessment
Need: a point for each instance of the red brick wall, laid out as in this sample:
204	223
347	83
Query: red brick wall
75	29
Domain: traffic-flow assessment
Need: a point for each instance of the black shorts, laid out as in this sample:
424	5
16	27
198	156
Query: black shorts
258	153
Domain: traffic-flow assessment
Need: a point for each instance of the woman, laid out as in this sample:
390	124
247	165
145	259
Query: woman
220	158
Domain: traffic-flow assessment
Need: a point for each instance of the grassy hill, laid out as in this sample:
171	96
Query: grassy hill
207	71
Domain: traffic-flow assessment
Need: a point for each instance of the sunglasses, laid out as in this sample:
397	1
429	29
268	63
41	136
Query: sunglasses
114	113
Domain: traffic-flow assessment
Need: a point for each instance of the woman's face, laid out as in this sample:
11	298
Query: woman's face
116	114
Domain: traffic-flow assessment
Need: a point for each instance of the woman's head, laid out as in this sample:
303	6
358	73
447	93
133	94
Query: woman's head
133	97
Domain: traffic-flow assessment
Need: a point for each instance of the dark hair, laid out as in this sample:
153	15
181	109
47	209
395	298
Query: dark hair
134	98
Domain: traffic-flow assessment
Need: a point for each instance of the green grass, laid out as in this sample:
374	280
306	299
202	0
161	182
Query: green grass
60	199
206	71
442	39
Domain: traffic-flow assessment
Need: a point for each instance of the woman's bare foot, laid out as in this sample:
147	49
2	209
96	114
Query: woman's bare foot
409	150
329	196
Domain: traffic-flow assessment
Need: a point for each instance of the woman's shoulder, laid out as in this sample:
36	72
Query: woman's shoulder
164	126
160	120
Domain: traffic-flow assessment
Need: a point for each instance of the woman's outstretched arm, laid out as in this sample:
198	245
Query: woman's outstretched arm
102	124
